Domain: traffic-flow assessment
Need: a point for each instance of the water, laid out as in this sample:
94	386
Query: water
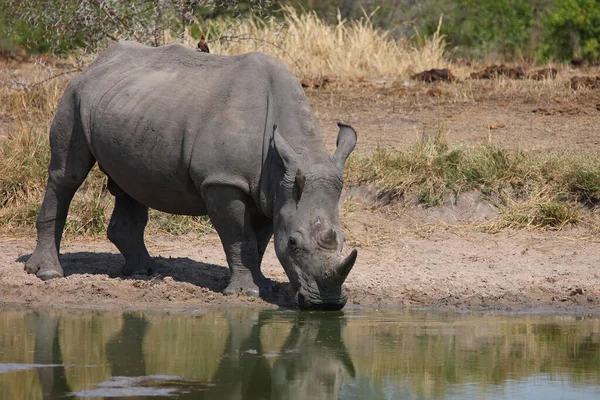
255	354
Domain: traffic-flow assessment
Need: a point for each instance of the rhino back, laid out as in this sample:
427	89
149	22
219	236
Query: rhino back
150	113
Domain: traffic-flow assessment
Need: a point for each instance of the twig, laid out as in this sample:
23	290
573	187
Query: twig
42	64
112	15
29	87
233	38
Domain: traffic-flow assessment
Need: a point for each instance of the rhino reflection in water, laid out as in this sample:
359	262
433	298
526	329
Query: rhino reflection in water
309	363
313	371
277	355
185	132
58	350
47	352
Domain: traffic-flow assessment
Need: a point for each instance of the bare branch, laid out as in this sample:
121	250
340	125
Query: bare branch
27	86
114	17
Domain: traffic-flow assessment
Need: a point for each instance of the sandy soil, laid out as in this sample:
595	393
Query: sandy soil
403	261
409	257
390	117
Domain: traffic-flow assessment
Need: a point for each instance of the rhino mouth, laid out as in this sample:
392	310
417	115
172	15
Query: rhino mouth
321	302
312	306
326	290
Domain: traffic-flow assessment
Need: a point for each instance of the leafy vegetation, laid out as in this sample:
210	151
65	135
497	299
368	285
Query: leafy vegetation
572	30
506	29
487	28
63	25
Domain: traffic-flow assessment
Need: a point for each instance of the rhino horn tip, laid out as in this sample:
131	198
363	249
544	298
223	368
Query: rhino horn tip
347	264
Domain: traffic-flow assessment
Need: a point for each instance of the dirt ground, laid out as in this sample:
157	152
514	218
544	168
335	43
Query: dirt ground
408	256
524	115
456	268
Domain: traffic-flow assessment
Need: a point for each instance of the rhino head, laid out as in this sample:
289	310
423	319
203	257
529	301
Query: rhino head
307	233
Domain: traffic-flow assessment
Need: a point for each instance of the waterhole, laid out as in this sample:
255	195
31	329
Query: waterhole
273	354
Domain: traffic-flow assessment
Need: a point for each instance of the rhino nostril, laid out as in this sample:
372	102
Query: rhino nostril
302	303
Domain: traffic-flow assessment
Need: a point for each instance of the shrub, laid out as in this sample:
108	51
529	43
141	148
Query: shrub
572	30
63	25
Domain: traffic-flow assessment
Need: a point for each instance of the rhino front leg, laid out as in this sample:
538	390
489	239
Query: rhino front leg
230	212
263	229
126	231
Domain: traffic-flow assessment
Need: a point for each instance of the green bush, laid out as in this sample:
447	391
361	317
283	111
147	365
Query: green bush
558	29
63	25
487	27
550	29
572	30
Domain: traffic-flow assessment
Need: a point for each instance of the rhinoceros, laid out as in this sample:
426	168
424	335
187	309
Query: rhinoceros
186	132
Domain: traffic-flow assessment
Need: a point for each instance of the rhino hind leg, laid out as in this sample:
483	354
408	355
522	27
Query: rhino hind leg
126	232
70	162
231	214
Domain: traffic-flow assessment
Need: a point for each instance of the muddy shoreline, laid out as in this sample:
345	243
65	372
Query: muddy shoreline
436	257
439	268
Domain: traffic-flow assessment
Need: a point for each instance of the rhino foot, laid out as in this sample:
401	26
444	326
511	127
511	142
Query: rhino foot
246	285
45	268
147	267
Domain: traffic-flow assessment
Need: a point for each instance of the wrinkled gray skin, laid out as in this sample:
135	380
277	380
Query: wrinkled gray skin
186	132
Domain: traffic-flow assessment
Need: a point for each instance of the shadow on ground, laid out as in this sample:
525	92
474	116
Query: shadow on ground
182	269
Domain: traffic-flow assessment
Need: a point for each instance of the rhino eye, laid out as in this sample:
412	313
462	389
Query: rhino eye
292	242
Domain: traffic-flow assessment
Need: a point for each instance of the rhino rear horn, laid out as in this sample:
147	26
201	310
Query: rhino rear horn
328	239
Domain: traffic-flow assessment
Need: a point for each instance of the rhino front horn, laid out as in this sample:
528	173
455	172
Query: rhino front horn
346	265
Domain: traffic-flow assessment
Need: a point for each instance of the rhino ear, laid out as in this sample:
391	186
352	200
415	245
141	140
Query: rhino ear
287	154
299	183
346	141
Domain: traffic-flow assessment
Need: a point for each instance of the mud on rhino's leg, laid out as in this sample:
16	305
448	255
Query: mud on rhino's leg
126	231
70	162
230	212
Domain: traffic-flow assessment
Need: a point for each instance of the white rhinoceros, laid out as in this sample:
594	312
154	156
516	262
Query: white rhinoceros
185	132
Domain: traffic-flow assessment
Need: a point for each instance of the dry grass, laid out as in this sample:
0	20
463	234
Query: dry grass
310	47
542	210
519	91
549	189
546	189
530	91
536	189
